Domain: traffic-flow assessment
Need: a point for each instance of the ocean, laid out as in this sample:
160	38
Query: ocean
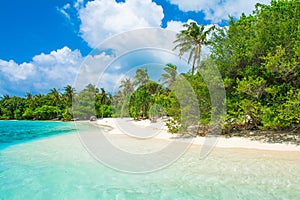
56	165
15	132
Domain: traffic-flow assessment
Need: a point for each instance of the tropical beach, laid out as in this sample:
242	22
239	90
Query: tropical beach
60	166
160	131
150	99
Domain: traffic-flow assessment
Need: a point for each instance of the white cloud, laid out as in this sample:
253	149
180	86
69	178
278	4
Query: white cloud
13	71
218	10
45	71
129	50
177	25
101	19
64	9
79	4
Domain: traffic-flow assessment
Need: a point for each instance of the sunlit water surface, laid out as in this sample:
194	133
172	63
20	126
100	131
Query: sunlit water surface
60	168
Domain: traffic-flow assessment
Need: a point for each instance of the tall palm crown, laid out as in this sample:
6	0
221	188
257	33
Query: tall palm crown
141	76
191	40
127	86
69	94
170	76
54	96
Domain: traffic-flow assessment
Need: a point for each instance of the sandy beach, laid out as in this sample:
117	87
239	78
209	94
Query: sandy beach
146	130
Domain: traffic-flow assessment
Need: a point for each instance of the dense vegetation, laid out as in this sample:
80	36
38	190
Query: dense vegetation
56	105
257	56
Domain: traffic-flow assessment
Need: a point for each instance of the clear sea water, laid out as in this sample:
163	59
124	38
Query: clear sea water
14	132
59	167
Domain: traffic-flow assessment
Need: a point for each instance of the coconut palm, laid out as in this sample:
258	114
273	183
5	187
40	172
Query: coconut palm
29	96
127	86
103	100
141	76
55	98
69	94
191	40
170	76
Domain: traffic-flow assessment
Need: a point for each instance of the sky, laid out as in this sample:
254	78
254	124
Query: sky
49	43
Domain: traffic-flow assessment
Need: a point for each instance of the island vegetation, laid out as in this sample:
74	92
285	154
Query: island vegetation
257	56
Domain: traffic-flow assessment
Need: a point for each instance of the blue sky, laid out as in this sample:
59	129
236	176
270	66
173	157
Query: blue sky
44	42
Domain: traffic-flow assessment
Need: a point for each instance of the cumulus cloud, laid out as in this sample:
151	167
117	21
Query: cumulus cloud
218	10
45	71
177	25
12	71
101	19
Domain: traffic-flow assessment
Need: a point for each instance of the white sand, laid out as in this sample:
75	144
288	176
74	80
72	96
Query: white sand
159	130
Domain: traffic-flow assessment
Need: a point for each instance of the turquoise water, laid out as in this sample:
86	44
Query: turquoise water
60	168
14	132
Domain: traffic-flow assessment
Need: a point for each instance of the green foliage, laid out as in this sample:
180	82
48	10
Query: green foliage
90	102
191	40
141	76
56	105
171	74
28	114
46	112
67	114
143	99
282	115
173	125
258	57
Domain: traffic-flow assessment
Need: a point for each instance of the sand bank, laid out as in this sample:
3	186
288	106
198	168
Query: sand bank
146	130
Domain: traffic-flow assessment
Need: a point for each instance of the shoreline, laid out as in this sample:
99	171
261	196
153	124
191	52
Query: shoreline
114	126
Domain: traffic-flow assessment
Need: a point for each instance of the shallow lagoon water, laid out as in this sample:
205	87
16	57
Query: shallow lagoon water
60	168
14	131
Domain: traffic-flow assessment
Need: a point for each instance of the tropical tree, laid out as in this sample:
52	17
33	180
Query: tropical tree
258	57
86	102
55	98
103	100
191	40
141	76
143	99
127	86
69	94
170	76
124	96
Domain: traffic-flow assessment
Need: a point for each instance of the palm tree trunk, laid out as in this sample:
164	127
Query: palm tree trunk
194	62
197	56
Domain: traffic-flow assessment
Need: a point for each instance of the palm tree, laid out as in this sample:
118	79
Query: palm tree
55	98
141	76
5	97
38	100
127	86
103	100
191	40
29	98
69	94
170	76
127	89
